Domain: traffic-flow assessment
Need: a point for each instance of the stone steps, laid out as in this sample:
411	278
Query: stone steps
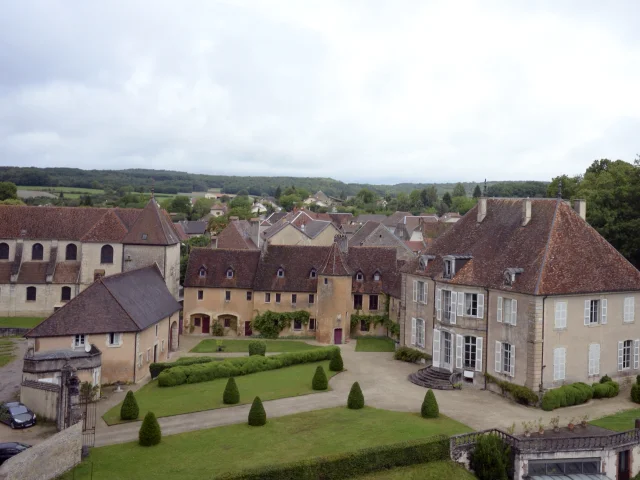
432	378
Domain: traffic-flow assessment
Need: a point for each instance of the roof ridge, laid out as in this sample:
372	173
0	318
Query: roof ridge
536	290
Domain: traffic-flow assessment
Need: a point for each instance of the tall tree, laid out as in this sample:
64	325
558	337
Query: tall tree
8	191
278	193
202	207
366	196
446	198
459	191
432	197
569	187
477	193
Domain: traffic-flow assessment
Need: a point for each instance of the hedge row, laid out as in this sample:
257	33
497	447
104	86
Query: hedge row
352	464
577	393
521	394
235	367
411	355
606	390
156	368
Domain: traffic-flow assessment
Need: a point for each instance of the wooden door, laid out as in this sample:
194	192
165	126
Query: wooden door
205	324
624	467
337	336
247	329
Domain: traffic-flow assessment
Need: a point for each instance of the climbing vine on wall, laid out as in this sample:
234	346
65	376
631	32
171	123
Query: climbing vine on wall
270	324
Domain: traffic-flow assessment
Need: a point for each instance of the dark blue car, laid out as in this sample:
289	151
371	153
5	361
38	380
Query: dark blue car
17	415
8	450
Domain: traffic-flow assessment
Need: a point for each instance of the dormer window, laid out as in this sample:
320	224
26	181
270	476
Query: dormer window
359	276
313	273
144	236
280	273
376	277
448	268
229	273
202	272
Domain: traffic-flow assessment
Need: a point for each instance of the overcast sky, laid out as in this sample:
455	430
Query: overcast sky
370	90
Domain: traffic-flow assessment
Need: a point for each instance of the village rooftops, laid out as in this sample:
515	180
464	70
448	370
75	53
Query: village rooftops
237	235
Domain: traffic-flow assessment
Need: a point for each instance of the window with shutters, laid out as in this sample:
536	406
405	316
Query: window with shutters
594	311
507	358
471	304
470	352
420	332
559	363
626	354
446	305
509	311
421	292
629	307
561	315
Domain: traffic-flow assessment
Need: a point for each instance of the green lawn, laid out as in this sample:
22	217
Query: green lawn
426	471
7	348
232	346
208	453
375	344
20	322
620	422
195	397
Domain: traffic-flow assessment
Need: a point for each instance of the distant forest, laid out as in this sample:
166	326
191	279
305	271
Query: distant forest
171	182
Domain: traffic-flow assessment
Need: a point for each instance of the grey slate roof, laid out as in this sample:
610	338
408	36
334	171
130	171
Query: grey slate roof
194	227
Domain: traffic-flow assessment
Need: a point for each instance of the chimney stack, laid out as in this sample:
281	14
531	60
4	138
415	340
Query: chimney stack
254	231
482	208
580	206
214	241
526	211
341	240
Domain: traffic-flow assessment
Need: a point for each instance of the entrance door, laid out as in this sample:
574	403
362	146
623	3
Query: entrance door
624	470
205	324
446	350
155	353
247	329
337	336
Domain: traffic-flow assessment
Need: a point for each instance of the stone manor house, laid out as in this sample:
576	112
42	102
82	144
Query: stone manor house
48	255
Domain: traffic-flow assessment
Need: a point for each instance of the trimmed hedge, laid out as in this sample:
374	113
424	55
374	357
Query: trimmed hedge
356	398
352	464
235	367
521	394
129	409
336	364
257	415
577	393
430	407
156	369
320	381
150	433
410	355
231	394
608	389
635	393
257	347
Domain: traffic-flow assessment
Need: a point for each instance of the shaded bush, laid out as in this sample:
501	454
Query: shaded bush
231	394
257	415
156	368
605	379
150	433
217	330
490	458
606	390
319	379
129	409
336	364
430	406
257	347
356	398
411	355
635	393
576	394
521	394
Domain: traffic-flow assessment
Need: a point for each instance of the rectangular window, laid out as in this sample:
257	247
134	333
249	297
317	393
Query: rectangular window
373	302
162	346
196	321
267	297
31	294
278	296
471	304
114	339
561	315
357	301
629	307
507	358
297	324
200	294
470	352
294	299
594	311
364	326
140	360
78	341
448	268
559	363
446	305
420	332
249	296
312	299
626	354
148	354
312	324
227	296
421	292
509	312
156	330
227	322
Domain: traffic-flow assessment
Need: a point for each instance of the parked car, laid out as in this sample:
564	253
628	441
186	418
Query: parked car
16	415
8	450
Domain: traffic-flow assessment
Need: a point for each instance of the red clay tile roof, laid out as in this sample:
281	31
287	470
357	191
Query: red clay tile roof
152	227
557	250
415	245
236	235
216	262
5	271
334	264
180	231
67	272
33	272
109	228
395	218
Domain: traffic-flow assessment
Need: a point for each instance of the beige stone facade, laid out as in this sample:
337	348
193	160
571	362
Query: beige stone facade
291	235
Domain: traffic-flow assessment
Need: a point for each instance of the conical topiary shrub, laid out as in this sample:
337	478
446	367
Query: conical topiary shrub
257	415
129	409
150	433
320	379
336	364
430	406
231	394
356	398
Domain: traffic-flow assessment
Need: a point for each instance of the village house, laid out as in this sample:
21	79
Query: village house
330	282
524	290
374	234
48	255
131	317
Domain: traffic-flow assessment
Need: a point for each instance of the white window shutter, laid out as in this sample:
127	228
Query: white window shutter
436	348
499	317
439	303
597	359
587	304
591	359
559	363
459	342
556	322
556	363
513	361
478	354
636	354
632	306
498	364
514	311
480	305
415	290
603	321
413	331
460	304
454	300
620	355
425	295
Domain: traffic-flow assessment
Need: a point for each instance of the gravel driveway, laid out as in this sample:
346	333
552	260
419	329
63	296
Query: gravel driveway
11	373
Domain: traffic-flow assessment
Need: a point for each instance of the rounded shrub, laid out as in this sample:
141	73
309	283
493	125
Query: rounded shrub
257	347
129	409
605	379
571	395
150	433
635	393
490	458
356	398
430	406
231	394
320	379
336	364
257	415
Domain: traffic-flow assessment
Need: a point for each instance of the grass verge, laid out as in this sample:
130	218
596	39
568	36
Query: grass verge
235	346
7	348
195	397
619	422
426	471
208	453
375	344
20	322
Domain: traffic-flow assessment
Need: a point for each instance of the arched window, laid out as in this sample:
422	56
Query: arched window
31	294
4	251
229	273
66	294
313	273
281	273
359	276
37	252
71	252
106	254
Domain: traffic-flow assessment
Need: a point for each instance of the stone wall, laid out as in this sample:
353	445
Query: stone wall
42	398
47	460
13	332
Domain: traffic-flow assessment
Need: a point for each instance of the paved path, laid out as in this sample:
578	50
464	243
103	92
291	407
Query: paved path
384	383
11	373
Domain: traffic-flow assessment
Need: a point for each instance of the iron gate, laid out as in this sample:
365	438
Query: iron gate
88	410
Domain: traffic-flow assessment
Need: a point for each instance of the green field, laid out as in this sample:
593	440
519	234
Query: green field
195	397
20	322
236	346
426	471
375	344
620	422
7	349
84	191
208	453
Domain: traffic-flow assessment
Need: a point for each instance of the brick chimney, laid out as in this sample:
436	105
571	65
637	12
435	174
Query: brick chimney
526	211
343	243
482	208
580	206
